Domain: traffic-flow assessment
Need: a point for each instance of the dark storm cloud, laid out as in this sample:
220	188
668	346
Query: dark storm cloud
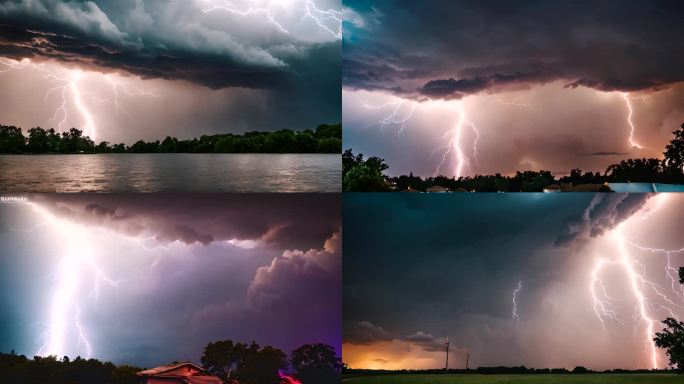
169	302
442	49
420	268
364	333
604	213
408	238
108	36
285	221
426	341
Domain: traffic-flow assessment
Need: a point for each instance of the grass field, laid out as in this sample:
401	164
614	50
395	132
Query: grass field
515	379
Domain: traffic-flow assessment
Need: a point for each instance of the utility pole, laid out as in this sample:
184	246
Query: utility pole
447	356
467	359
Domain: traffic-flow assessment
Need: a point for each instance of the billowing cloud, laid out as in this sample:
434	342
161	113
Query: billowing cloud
177	40
157	277
604	213
452	49
178	68
419	269
297	221
364	333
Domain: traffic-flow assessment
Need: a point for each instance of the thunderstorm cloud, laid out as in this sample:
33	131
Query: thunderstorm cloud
551	85
281	60
419	269
183	271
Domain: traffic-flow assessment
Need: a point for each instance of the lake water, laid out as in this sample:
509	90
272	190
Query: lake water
171	172
645	187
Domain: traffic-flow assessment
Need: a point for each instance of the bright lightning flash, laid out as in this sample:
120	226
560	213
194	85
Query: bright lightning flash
516	292
329	20
632	141
69	83
648	295
399	115
454	152
77	262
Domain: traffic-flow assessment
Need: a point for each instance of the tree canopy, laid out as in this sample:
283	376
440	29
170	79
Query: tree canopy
316	363
39	370
672	340
326	138
367	175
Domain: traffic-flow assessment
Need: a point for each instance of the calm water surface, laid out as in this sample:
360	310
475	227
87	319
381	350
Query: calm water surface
171	172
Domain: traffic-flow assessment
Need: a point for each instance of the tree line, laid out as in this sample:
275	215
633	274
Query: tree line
229	360
671	339
326	138
521	370
361	174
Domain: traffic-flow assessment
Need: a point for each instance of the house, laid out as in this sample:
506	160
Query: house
552	188
437	189
182	373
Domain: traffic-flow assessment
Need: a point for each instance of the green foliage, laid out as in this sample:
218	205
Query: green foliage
652	378
11	139
672	340
249	364
19	369
670	170
326	139
674	152
316	363
362	175
636	170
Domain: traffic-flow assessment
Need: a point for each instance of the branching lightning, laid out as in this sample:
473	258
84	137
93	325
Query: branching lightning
454	153
69	87
323	18
320	16
77	262
399	115
516	292
632	141
648	296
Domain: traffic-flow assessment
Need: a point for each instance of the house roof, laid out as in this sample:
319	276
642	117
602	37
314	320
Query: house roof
437	188
203	379
166	368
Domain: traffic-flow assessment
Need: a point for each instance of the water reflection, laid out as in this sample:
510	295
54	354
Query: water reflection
171	172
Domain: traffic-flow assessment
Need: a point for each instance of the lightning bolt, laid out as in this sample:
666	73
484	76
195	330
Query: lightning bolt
628	101
69	87
77	258
398	116
648	295
516	291
321	17
453	151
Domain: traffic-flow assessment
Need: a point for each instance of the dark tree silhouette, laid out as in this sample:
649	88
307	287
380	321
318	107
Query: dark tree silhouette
681	275
249	364
316	364
19	369
672	340
674	152
325	139
363	175
221	357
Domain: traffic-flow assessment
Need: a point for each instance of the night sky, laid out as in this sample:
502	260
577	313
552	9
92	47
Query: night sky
531	84
419	268
152	279
125	70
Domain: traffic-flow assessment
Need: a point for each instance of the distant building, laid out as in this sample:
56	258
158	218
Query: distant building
552	188
437	189
182	373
